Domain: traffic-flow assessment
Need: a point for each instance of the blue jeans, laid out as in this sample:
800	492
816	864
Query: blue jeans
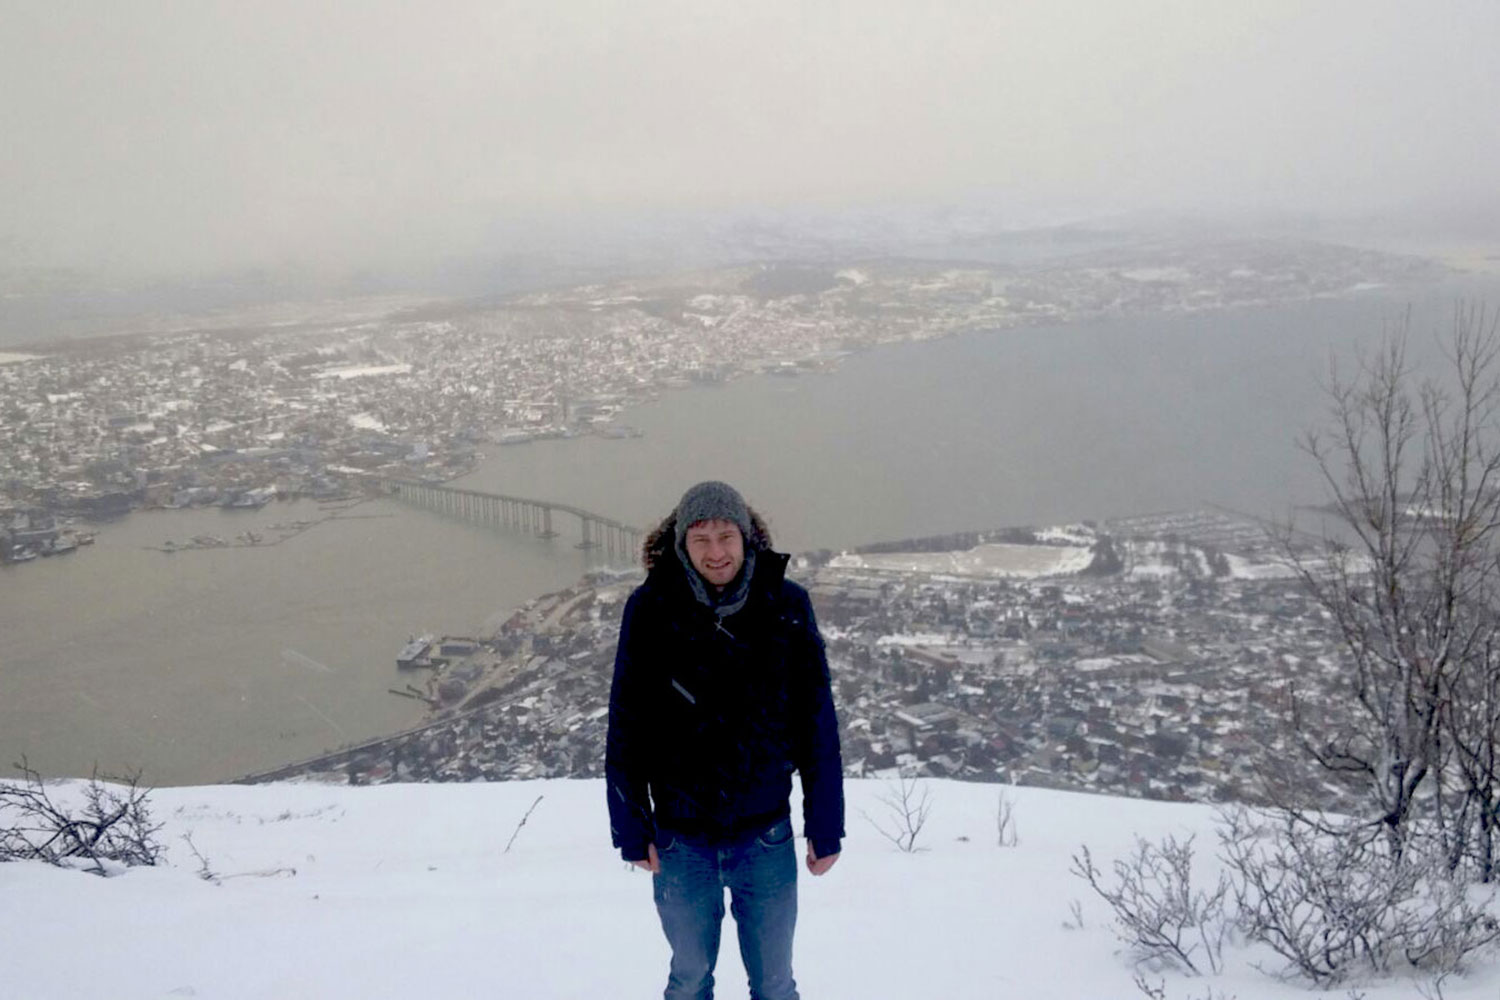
760	872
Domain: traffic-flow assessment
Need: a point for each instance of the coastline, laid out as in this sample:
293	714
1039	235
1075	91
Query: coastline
208	605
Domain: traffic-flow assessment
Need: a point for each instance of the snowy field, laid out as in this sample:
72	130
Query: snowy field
404	891
998	560
12	358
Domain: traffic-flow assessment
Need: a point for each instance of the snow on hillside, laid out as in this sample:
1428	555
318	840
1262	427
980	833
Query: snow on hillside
995	559
403	891
1241	568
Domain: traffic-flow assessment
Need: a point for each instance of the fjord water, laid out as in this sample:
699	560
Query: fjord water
1029	426
203	665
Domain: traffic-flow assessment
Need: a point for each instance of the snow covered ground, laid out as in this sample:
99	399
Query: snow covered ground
361	371
404	891
1241	568
999	560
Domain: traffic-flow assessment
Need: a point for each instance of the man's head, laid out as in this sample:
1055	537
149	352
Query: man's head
713	523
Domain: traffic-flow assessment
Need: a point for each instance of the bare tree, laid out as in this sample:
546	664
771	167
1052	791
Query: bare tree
1412	466
1471	712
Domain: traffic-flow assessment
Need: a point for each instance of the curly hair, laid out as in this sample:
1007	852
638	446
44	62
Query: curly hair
662	540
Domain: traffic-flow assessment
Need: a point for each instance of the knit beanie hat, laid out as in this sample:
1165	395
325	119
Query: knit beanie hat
708	501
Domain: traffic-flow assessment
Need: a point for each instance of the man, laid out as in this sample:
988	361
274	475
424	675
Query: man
720	691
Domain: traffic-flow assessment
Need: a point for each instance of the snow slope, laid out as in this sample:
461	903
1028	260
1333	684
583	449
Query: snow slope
999	560
405	891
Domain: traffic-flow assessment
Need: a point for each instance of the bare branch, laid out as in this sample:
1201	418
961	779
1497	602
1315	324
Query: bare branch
516	832
907	806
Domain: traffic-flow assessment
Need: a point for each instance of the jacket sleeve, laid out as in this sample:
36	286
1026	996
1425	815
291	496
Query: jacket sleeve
630	820
820	761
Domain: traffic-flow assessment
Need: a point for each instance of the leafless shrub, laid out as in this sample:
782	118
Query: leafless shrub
1158	990
1005	821
205	872
1331	900
907	806
1158	913
111	828
1150	990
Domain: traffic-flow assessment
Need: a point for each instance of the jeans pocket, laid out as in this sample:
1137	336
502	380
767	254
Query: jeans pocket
664	840
776	834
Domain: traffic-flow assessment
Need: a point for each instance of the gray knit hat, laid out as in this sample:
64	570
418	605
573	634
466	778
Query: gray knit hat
712	500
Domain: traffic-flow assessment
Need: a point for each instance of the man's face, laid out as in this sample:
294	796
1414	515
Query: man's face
717	550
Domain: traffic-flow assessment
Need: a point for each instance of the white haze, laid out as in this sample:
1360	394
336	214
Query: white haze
173	137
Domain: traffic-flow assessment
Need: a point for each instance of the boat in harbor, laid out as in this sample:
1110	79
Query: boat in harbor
416	653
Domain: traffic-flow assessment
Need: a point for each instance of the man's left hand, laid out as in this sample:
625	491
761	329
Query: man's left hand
818	865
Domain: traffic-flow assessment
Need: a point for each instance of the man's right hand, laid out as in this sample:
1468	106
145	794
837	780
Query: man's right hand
651	862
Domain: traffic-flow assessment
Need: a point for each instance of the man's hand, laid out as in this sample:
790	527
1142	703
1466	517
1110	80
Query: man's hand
652	863
815	864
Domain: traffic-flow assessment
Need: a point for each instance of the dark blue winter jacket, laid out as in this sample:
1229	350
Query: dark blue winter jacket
708	717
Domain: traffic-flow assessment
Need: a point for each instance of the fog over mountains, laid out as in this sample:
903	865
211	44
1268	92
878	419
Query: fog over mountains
165	139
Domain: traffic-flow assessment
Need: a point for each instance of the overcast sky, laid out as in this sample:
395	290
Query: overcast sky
177	136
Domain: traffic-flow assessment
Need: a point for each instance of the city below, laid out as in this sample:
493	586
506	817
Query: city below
233	416
1149	656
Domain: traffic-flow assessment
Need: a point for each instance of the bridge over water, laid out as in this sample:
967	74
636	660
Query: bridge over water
618	541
